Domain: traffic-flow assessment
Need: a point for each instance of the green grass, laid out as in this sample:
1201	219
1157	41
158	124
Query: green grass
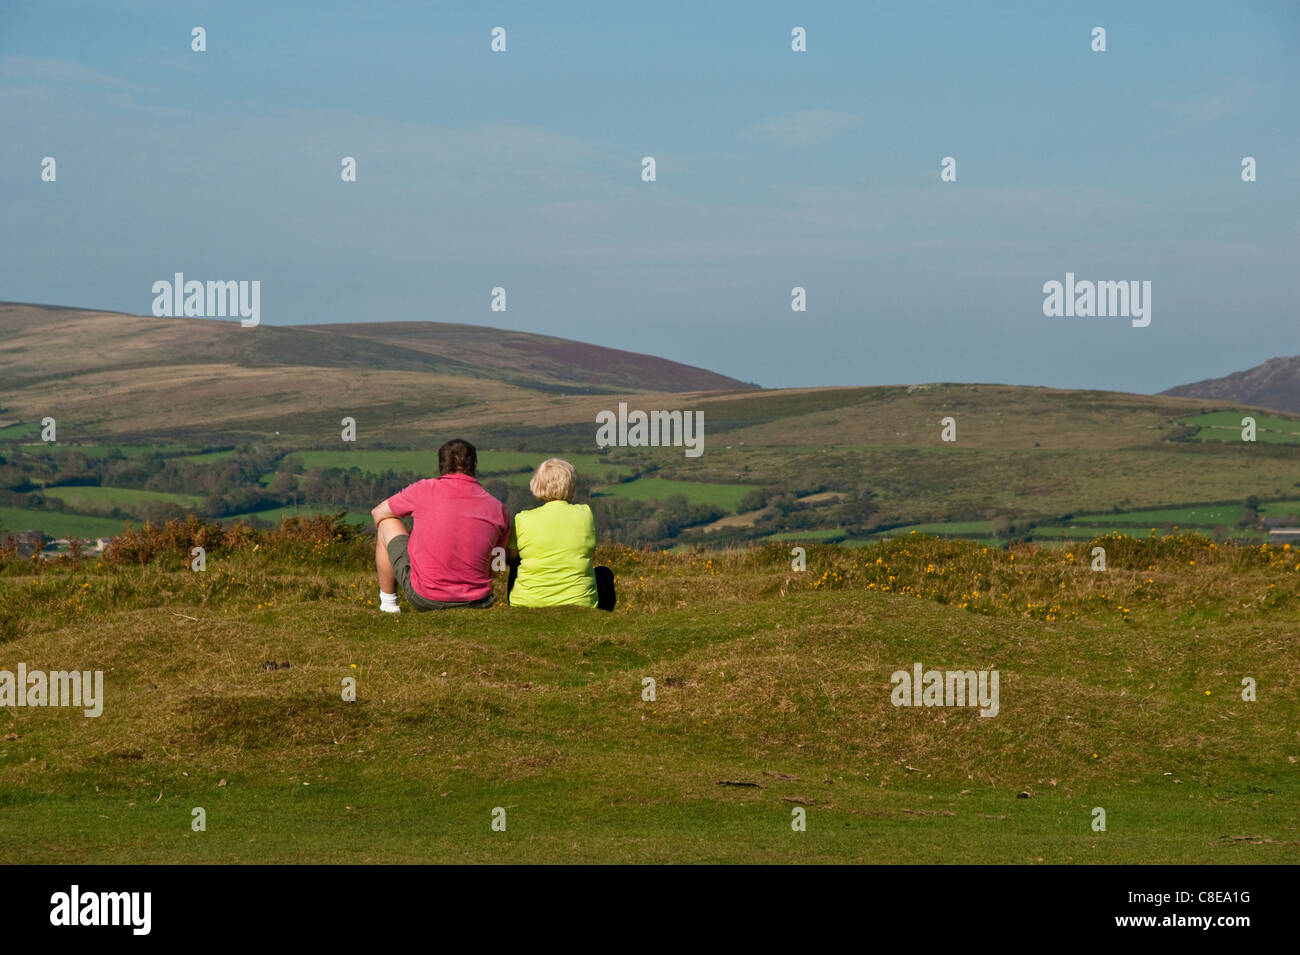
1226	426
22	429
810	535
726	496
57	524
946	529
128	499
765	677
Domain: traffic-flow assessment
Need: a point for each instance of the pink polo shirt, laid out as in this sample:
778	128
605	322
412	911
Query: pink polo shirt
457	524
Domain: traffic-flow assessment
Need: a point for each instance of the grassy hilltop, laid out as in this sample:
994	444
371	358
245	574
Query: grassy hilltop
1119	690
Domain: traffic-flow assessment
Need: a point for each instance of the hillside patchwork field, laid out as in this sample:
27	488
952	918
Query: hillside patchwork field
844	464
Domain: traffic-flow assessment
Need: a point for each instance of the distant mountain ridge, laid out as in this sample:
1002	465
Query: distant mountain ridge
39	342
1274	384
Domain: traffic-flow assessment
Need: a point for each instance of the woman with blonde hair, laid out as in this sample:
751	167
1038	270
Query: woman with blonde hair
551	547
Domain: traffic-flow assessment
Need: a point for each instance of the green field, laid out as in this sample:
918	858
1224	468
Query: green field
1203	518
810	535
726	496
1226	426
946	529
773	693
1088	526
106	498
57	524
23	429
1086	532
207	457
1208	515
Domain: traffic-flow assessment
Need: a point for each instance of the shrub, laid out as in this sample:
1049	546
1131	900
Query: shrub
176	538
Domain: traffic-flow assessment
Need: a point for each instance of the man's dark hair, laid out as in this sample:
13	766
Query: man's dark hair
457	457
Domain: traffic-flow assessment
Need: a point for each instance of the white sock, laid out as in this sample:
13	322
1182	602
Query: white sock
388	603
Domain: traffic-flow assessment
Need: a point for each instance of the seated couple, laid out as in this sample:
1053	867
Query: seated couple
446	560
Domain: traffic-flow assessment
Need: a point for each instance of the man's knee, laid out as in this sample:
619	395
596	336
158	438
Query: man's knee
388	529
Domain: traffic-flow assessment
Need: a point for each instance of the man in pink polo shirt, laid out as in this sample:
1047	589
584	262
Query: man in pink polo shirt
448	562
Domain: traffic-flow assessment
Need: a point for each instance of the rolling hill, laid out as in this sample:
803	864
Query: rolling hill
1274	384
109	372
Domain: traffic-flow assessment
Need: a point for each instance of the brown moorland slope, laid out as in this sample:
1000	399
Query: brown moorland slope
541	360
148	378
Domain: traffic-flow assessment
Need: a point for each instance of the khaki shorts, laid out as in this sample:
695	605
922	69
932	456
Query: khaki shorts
401	562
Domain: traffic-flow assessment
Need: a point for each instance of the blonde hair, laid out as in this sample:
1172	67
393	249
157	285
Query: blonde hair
554	480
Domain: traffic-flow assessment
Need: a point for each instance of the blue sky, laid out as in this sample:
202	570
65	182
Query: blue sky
775	169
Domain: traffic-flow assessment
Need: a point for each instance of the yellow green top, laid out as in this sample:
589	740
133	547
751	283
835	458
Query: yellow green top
555	543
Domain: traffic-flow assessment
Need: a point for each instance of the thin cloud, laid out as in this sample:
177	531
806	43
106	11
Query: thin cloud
1203	110
1197	112
808	127
48	72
